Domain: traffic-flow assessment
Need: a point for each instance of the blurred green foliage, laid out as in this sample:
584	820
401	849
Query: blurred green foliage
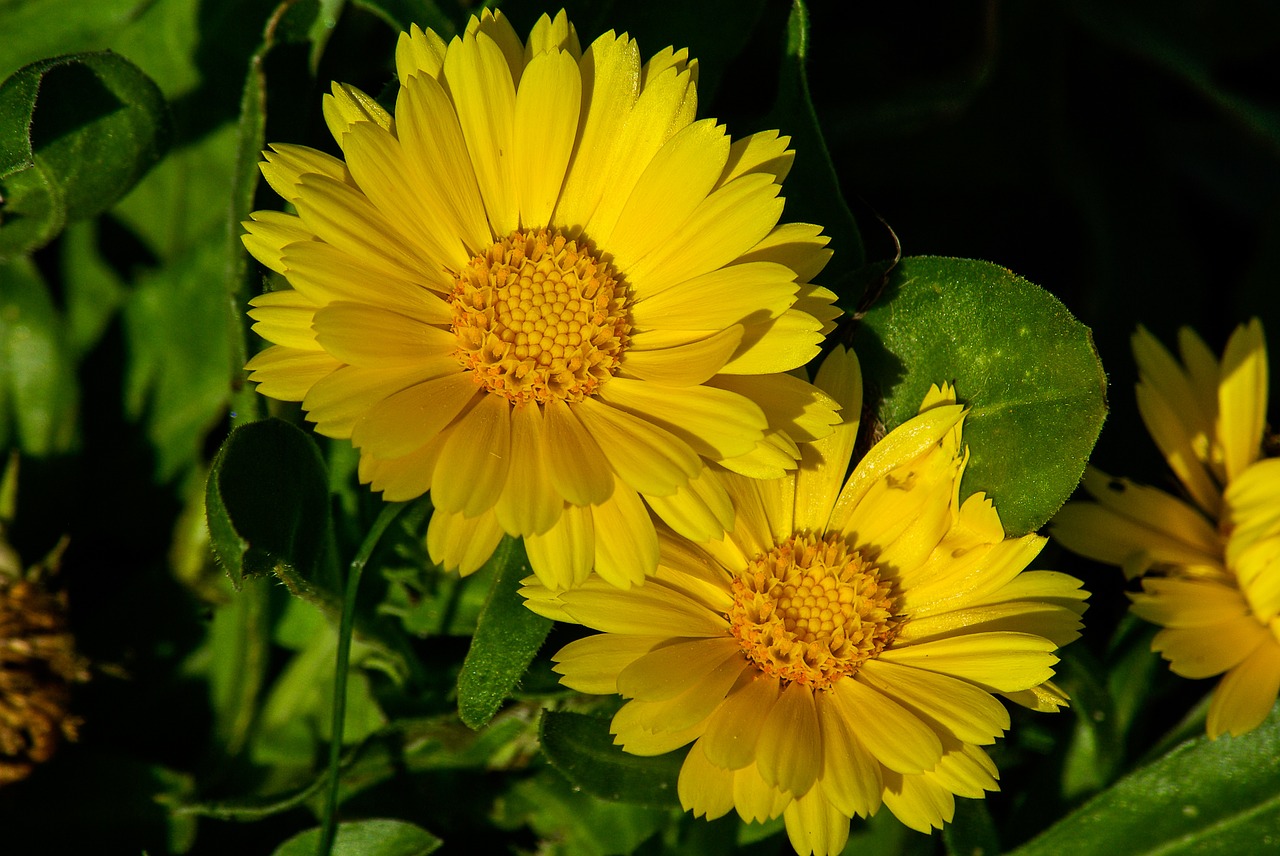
1126	157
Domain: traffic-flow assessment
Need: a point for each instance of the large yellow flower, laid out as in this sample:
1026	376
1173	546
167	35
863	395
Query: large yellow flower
1210	567
544	292
840	647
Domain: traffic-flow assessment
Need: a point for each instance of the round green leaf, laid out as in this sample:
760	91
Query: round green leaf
366	838
1025	367
581	748
267	501
77	132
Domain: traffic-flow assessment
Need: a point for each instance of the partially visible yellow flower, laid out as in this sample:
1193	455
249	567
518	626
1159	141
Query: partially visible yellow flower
1210	567
544	292
841	647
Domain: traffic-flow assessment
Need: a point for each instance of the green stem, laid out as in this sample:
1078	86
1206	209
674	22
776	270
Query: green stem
330	825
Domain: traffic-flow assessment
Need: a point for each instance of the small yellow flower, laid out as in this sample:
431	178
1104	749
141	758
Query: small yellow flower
544	292
1210	567
841	646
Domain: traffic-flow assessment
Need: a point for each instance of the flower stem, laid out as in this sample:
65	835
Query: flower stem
330	825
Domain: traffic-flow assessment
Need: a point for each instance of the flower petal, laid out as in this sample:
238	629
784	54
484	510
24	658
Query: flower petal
546	123
789	749
1246	694
592	664
474	464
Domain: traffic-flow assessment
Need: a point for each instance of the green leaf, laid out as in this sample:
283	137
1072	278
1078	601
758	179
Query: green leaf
38	390
237	650
377	837
971	831
78	132
1206	797
814	195
581	747
1024	366
268	503
507	637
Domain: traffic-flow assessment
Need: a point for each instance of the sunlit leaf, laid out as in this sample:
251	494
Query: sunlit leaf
1023	365
366	838
1205	797
507	637
582	748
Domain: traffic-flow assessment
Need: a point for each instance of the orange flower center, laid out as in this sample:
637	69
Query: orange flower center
538	317
812	611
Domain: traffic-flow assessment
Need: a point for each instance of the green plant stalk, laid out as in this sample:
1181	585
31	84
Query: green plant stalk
330	823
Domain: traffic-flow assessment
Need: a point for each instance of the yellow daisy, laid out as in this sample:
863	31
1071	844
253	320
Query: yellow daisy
841	646
544	292
1210	567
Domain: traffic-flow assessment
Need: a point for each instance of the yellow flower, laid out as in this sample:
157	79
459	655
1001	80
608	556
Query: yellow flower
1210	567
840	647
544	292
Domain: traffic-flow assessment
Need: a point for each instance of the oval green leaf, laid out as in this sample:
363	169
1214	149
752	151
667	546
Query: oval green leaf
581	748
78	131
507	638
267	502
1205	797
377	837
1023	364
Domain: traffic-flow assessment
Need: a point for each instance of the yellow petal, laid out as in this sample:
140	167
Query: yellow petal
626	543
815	826
480	81
380	167
285	318
644	610
344	217
725	225
918	801
1246	694
851	777
825	461
363	335
800	246
284	165
1202	652
552	34
670	189
1187	603
667	671
326	274
269	232
704	789
529	504
592	664
789	750
339	400
578	468
733	731
754	798
289	373
610	85
747	293
407	477
405	420
765	152
1242	398
684	364
644	456
494	24
895	736
1004	661
546	123
464	543
969	713
474	464
419	52
348	106
716	423
677	715
699	510
436	153
562	556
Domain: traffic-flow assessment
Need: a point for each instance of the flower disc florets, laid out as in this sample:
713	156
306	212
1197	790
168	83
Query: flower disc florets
539	318
812	611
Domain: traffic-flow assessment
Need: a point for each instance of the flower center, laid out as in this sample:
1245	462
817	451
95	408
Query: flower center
812	611
538	317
